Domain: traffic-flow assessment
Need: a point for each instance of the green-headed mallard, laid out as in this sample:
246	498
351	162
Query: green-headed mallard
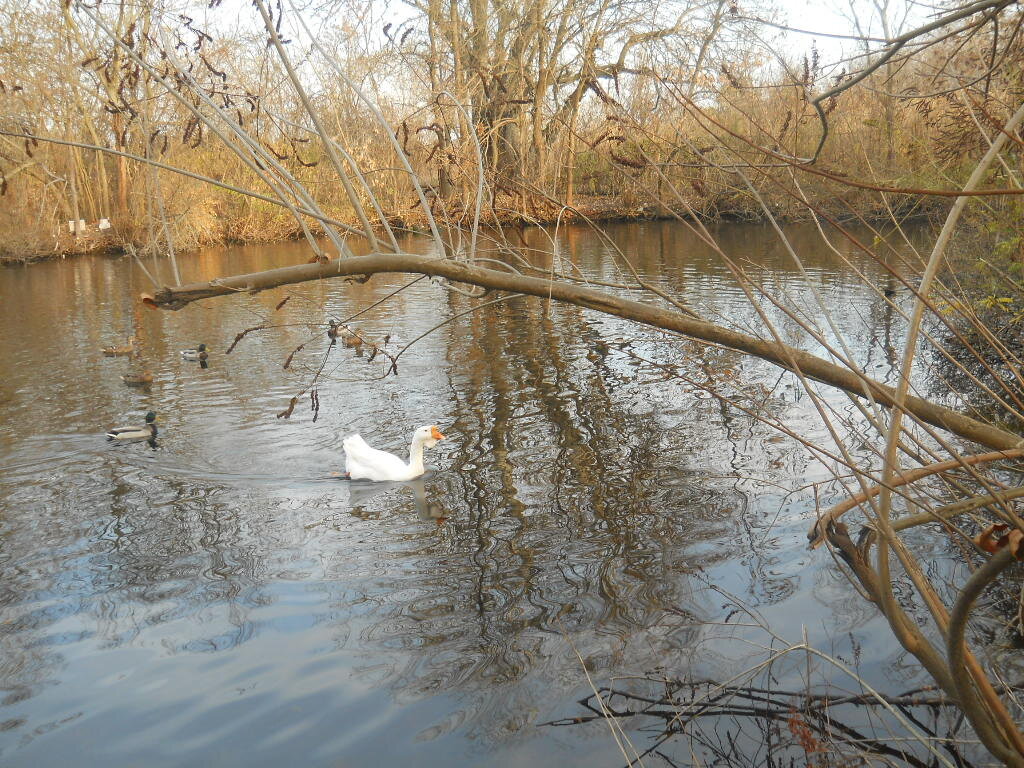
145	432
199	353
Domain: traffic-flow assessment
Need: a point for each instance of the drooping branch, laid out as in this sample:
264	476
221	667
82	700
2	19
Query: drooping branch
963	677
782	355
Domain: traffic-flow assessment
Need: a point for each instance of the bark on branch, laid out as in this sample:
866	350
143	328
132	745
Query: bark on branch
461	272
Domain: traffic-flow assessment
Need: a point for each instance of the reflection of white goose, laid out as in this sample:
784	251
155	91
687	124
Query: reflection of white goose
426	509
365	463
366	500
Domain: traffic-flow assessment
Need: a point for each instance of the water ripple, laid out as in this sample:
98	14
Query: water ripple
219	598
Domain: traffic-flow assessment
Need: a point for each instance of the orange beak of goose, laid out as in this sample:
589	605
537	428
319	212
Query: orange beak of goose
436	433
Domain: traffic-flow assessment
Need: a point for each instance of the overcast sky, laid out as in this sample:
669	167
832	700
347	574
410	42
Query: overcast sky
835	17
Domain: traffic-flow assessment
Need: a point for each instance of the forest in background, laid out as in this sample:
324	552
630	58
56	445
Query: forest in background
603	109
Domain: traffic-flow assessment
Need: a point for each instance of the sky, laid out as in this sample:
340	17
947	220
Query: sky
836	17
822	17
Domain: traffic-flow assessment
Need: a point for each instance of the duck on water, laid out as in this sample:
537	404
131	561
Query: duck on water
145	431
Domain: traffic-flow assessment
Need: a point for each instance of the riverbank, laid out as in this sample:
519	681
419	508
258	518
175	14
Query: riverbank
36	247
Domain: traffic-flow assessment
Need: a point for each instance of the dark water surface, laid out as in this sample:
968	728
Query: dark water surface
220	600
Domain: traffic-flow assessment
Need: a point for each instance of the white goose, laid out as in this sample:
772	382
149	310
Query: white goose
365	463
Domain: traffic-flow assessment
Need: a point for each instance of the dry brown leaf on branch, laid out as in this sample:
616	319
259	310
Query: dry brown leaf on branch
1016	543
994	538
987	540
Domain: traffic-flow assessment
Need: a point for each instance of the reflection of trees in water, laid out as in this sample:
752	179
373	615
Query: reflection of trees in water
120	554
581	499
973	363
570	513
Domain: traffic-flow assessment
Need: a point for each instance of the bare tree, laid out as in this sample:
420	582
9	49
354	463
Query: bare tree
502	84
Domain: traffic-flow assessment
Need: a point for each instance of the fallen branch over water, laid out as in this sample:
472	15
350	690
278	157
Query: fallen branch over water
785	356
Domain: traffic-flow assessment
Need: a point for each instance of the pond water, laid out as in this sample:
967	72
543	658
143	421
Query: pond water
221	599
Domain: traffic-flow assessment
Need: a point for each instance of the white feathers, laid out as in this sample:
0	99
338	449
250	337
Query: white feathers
363	462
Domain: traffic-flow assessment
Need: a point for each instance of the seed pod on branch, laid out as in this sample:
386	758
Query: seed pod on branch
288	362
287	412
785	124
628	161
190	127
243	334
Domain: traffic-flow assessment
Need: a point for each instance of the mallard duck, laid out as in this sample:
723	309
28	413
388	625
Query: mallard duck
365	463
137	379
350	338
146	432
128	349
341	331
199	353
